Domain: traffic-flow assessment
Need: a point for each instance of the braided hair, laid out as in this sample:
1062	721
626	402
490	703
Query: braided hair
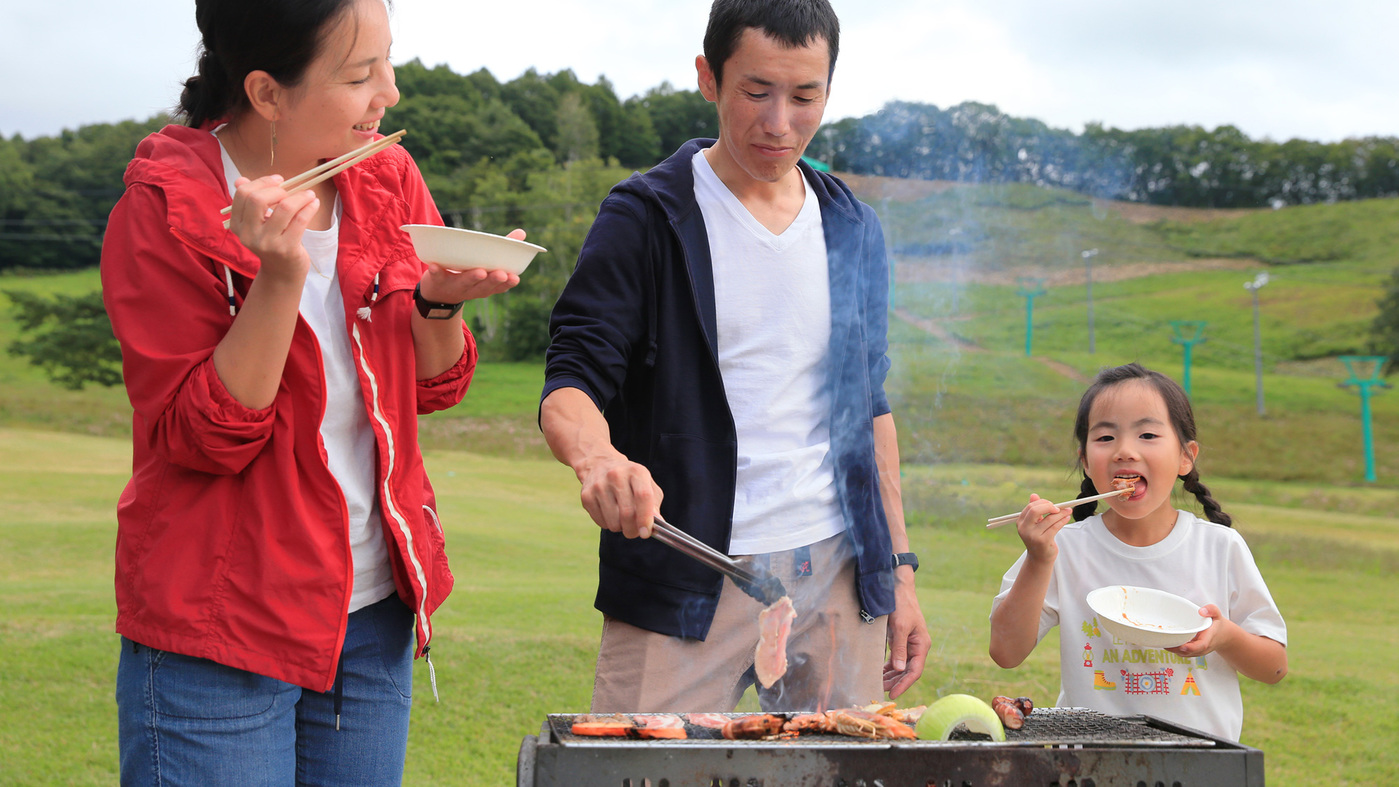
1182	421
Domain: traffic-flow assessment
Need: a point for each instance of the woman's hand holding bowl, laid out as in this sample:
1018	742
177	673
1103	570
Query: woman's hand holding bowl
445	285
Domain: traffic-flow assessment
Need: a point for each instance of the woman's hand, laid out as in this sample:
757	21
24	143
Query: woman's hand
270	223
452	286
1038	524
439	343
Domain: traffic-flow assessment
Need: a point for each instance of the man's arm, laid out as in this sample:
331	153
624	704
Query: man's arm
909	641
618	494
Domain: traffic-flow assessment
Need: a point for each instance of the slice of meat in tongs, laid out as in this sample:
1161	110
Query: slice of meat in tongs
762	586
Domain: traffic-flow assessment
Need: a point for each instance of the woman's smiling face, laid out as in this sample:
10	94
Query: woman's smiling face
338	105
1130	437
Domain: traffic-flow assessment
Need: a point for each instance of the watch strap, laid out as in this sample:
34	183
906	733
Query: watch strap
905	559
434	310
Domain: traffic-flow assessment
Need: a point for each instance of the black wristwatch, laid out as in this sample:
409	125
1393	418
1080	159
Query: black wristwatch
905	559
433	310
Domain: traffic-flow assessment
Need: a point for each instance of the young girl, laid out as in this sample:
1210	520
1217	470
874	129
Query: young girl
1136	425
278	544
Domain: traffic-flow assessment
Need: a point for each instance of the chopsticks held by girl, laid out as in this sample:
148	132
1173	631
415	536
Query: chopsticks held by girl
278	546
1136	425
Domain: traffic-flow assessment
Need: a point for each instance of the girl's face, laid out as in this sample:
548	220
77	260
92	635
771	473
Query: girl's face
338	105
1130	437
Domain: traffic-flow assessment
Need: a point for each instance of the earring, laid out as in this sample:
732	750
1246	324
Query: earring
273	164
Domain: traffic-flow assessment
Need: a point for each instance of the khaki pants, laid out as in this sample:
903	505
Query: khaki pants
835	659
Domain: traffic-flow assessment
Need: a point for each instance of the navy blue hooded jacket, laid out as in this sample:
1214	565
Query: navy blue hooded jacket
635	330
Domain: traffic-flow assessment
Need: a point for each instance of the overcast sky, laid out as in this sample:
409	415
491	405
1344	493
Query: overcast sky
1277	69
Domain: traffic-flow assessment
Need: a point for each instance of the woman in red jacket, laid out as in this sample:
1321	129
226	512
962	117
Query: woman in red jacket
277	545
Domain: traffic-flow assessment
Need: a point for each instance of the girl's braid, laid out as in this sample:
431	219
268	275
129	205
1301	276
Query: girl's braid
1084	510
1202	493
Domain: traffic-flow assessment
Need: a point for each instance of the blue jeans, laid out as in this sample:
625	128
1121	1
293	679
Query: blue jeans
183	720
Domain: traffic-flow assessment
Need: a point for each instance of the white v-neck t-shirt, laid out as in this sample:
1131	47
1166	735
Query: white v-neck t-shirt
773	308
345	431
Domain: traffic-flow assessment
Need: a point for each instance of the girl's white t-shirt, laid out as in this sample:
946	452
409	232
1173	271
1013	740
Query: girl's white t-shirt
345	431
773	316
1201	561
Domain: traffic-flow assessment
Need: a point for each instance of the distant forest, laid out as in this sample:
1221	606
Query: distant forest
541	151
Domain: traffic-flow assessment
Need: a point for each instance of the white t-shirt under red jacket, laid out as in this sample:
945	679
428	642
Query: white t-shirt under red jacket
1201	561
345	430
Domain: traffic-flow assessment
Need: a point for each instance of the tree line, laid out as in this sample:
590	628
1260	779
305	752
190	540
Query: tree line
479	141
541	151
1180	165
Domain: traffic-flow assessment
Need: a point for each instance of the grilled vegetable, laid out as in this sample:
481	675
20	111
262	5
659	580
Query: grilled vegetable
945	715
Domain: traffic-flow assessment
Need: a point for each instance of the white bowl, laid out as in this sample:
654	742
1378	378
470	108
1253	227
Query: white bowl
461	249
1147	617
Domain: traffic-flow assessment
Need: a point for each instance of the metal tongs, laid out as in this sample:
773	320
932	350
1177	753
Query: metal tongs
763	586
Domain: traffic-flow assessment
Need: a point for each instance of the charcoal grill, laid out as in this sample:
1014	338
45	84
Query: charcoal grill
1057	747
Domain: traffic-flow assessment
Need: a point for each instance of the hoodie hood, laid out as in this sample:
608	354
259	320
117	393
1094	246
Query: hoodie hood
186	166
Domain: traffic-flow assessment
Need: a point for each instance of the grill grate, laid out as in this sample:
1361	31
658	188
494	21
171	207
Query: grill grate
1084	727
1043	727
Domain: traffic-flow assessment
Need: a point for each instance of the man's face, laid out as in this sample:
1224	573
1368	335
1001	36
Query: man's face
770	104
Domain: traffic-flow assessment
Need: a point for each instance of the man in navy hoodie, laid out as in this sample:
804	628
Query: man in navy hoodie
718	358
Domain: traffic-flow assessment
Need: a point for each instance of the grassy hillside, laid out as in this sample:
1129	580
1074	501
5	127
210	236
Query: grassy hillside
963	387
965	390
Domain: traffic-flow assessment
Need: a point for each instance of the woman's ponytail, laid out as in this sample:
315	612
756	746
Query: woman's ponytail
1202	493
206	95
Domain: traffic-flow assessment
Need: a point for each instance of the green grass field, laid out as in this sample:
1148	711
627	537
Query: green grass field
981	425
517	638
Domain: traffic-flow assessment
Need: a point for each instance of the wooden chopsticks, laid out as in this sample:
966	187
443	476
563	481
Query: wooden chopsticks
333	167
995	522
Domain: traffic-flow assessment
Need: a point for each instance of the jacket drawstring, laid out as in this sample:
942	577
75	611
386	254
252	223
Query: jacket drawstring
363	311
339	689
431	674
232	303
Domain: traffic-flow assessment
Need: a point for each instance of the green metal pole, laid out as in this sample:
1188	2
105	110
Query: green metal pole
1369	433
1196	329
1186	378
1030	288
1029	323
1364	375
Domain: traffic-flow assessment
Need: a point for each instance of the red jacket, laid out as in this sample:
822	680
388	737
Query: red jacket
232	537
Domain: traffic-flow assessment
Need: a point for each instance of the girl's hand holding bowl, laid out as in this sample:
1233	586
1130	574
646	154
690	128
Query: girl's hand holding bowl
1150	618
1209	640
